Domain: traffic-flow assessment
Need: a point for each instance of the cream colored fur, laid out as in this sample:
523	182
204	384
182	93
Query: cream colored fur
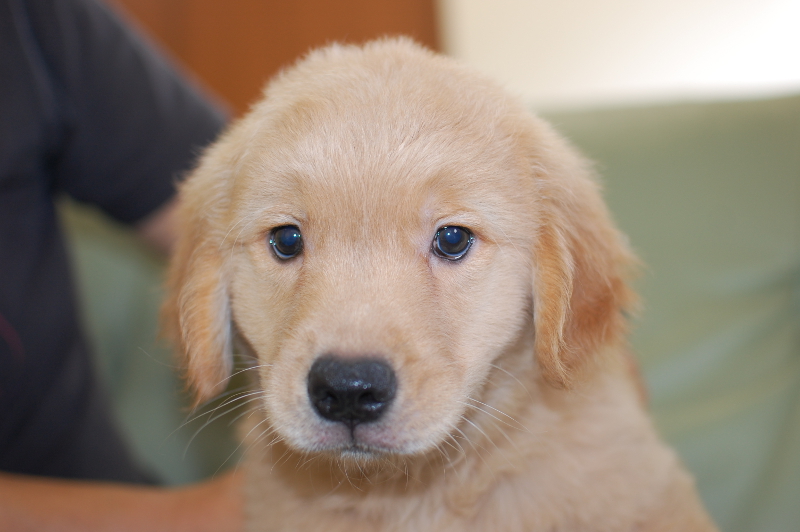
516	406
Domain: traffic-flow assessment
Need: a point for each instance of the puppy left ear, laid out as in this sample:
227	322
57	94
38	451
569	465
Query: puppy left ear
196	314
580	267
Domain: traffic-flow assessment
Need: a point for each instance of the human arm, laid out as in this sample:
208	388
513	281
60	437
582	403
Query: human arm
158	229
94	114
45	504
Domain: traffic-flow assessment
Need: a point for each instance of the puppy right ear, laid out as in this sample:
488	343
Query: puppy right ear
581	269
196	312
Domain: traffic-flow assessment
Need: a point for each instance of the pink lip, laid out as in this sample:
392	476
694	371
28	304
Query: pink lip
361	441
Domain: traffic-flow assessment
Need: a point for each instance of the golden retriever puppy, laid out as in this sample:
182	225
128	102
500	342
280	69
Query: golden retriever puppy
433	296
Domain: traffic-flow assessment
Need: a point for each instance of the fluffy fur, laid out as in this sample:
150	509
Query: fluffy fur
516	406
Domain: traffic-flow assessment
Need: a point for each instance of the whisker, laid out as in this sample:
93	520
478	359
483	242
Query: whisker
231	455
212	419
157	361
194	417
249	368
213	415
475	446
249	432
346	476
200	408
502	431
495	366
250	412
443	459
361	471
252	217
455	446
512	243
476	427
470	442
236	449
236	240
259	440
338	484
277	462
255	396
311	458
516	424
493	408
231	228
238	396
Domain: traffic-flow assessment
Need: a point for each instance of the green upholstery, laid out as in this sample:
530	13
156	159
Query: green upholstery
710	197
120	287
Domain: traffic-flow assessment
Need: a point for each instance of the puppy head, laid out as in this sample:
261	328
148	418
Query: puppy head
380	229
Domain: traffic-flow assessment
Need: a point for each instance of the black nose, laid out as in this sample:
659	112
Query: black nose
351	391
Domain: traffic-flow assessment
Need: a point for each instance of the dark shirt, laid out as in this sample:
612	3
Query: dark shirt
87	109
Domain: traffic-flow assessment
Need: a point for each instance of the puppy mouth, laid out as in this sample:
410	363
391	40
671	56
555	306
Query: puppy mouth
365	440
360	451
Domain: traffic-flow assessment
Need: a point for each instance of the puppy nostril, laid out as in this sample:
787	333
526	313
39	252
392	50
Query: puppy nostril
328	402
367	400
351	391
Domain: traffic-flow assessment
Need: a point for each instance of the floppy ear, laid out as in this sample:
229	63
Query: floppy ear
196	312
580	267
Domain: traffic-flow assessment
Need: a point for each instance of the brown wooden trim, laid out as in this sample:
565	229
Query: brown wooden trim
233	47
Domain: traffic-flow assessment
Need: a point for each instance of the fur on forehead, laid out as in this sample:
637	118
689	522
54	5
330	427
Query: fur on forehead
358	120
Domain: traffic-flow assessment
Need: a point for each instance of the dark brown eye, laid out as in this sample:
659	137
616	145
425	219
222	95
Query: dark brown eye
452	242
286	241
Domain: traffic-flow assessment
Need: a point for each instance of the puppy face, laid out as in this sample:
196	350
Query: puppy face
381	229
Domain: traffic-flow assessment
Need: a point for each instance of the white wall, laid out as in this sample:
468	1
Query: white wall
566	53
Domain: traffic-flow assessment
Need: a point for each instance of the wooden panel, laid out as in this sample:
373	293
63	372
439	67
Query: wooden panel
235	46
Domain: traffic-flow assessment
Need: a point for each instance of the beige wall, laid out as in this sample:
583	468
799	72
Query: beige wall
565	53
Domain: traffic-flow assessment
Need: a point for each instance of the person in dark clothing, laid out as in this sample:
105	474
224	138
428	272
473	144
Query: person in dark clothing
89	110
